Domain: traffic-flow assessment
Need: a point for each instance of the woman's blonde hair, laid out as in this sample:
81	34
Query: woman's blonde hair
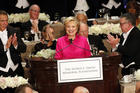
70	19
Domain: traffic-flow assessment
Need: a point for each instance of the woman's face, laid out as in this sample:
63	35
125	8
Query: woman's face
71	28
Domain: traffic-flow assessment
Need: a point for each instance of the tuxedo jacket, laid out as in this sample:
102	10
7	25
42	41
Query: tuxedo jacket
130	51
27	26
15	53
97	41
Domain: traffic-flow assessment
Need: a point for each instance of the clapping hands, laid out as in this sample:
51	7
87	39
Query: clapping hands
112	40
12	40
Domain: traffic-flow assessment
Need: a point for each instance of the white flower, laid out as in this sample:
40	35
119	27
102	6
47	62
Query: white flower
45	53
138	26
137	74
105	29
12	82
24	17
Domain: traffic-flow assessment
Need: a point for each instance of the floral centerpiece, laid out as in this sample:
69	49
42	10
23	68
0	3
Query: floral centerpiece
138	26
45	53
105	29
24	17
12	82
137	74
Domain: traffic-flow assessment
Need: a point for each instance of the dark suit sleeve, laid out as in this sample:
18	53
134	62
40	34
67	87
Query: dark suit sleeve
42	24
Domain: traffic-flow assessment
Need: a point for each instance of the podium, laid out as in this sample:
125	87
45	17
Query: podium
44	76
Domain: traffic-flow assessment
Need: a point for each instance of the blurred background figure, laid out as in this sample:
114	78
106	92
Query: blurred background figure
81	89
94	22
94	40
26	88
34	26
82	17
72	45
47	41
134	8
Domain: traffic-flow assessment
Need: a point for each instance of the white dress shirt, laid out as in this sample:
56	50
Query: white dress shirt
10	64
36	38
111	3
81	5
22	3
125	35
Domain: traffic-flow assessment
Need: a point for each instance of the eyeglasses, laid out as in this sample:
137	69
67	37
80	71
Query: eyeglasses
35	11
123	23
3	20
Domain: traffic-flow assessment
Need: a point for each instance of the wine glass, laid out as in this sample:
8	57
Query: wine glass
39	35
132	73
26	35
101	12
94	49
56	16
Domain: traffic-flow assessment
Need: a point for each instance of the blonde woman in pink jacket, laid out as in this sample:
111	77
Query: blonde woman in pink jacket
72	45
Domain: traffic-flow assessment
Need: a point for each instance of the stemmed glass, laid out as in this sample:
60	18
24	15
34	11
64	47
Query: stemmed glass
56	16
94	49
26	35
132	72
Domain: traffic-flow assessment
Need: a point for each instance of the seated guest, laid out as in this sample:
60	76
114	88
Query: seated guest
26	88
34	25
82	17
80	89
72	45
93	39
48	40
94	22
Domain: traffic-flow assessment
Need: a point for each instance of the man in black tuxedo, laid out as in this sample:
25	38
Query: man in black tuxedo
93	39
128	46
34	25
11	46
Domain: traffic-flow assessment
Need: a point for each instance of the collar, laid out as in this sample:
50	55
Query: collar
3	32
76	38
34	20
125	35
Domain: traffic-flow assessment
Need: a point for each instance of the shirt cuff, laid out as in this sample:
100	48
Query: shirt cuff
114	49
5	50
16	46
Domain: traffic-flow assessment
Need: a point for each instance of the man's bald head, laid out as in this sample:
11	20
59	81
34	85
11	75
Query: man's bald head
80	89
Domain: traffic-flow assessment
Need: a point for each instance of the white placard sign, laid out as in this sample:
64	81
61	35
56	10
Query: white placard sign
84	69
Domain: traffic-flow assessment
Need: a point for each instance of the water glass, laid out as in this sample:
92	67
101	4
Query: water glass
94	49
132	73
26	35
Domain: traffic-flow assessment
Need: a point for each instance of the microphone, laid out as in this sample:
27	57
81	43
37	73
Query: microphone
64	47
70	40
79	46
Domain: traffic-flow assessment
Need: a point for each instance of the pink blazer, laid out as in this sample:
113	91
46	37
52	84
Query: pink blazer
78	49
